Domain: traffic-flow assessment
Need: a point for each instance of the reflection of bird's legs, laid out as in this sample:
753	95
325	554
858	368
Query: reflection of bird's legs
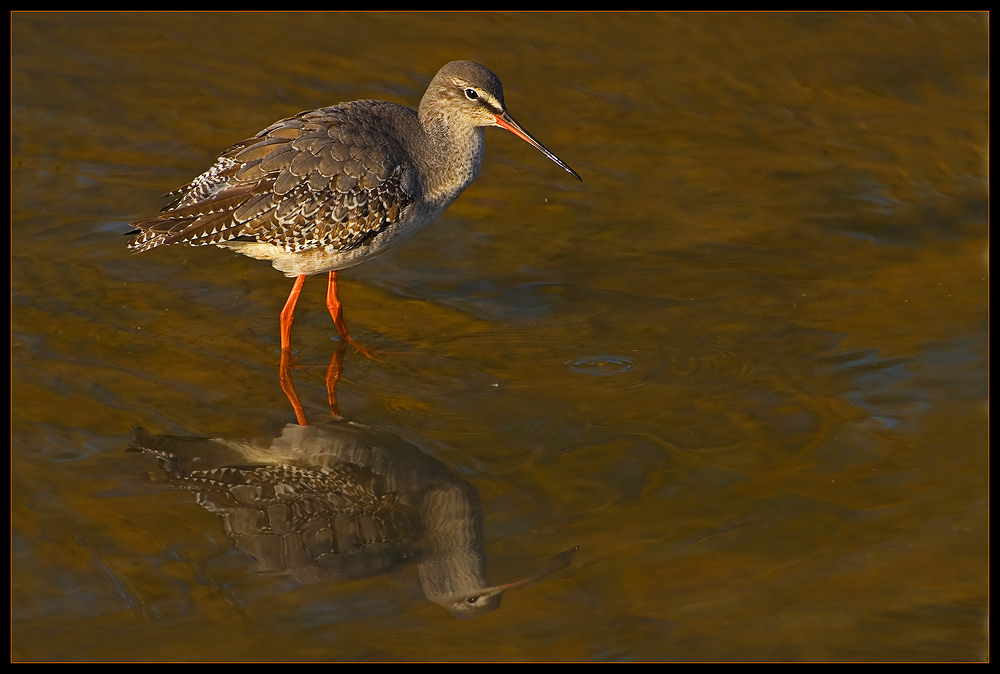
286	381
333	376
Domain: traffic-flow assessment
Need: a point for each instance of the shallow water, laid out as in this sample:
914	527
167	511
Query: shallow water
743	365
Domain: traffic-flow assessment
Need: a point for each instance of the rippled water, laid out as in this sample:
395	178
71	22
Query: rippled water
742	366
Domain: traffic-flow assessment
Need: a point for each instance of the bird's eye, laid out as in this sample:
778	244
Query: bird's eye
471	94
471	600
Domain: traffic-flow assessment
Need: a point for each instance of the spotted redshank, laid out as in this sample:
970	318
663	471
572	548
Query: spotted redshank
330	188
341	500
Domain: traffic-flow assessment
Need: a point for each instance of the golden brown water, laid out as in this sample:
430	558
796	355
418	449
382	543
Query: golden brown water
743	365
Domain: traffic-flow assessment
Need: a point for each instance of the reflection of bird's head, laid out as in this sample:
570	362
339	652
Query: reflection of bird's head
452	564
480	599
474	605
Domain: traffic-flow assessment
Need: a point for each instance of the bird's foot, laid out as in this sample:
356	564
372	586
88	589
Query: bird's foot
367	352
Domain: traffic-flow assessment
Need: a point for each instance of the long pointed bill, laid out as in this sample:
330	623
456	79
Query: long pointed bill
507	122
560	561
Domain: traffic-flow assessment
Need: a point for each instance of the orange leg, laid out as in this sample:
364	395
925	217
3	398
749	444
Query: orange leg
337	311
336	308
288	313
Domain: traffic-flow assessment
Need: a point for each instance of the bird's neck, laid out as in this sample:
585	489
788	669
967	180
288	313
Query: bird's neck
453	156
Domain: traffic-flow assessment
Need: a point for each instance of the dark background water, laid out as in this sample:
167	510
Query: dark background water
743	365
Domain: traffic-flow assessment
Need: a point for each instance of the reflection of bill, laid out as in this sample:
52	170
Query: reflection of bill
341	500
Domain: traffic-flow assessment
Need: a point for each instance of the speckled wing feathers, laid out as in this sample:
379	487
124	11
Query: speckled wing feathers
327	178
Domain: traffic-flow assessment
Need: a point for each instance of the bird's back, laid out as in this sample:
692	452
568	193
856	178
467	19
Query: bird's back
330	179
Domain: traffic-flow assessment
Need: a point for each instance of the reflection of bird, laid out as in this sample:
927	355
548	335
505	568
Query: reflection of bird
340	501
329	188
